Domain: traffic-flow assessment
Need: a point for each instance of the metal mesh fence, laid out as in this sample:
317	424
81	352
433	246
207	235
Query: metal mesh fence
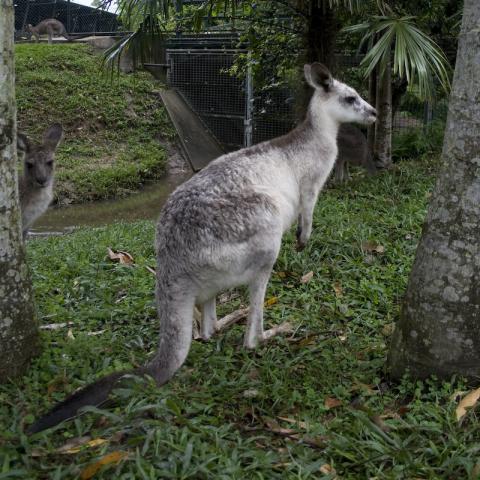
77	19
201	73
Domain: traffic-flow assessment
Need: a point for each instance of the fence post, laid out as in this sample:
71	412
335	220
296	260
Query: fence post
248	122
69	17
25	16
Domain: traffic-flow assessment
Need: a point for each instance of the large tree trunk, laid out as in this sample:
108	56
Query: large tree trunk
18	329
439	327
319	45
382	152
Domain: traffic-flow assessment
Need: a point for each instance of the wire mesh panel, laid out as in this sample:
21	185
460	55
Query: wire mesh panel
203	78
273	113
77	19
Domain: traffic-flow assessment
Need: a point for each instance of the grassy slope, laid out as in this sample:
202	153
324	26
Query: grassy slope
112	129
205	423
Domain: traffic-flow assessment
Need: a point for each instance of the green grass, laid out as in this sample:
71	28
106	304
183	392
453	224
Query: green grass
113	129
212	420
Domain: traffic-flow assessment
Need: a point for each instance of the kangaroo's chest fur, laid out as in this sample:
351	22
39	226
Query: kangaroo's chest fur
33	201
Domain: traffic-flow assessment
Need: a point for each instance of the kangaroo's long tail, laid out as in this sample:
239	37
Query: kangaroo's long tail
176	319
94	394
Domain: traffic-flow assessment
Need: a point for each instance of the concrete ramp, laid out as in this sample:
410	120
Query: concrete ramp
199	145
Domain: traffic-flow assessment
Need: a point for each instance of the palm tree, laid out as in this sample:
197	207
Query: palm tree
398	48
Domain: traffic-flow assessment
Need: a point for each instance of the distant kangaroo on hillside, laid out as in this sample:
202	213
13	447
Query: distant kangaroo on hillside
51	26
223	228
36	184
352	150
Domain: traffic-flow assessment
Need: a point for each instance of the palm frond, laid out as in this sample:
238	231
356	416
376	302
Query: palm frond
416	56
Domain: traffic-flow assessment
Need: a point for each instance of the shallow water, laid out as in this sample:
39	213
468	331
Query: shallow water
144	205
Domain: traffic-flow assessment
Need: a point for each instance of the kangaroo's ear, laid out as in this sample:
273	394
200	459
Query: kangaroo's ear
317	76
23	143
53	136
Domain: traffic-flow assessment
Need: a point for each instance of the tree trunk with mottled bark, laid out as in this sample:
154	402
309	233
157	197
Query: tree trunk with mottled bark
382	151
438	331
18	328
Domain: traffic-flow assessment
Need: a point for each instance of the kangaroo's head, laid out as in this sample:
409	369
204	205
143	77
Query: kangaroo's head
39	158
30	27
339	101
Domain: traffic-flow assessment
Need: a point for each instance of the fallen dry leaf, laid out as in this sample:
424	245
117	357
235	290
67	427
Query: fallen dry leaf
307	277
121	257
338	289
468	401
70	335
327	469
93	468
74	445
271	301
373	247
331	402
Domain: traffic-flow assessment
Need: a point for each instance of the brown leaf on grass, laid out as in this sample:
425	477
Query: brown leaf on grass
271	301
120	256
74	445
468	401
307	277
327	469
332	402
93	468
372	247
337	287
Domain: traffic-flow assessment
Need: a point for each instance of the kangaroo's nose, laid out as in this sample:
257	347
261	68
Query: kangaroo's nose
373	112
42	182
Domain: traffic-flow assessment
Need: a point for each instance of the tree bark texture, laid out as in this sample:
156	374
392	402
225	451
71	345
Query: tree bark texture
319	45
18	328
438	331
382	152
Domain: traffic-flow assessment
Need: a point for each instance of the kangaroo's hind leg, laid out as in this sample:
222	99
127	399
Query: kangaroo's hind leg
209	319
255	333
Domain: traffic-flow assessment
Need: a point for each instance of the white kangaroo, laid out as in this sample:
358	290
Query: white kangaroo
224	227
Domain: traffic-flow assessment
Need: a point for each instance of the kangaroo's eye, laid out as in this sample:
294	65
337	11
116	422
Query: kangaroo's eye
350	100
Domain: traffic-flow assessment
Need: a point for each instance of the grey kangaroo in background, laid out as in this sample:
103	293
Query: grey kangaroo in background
224	227
352	150
36	184
51	26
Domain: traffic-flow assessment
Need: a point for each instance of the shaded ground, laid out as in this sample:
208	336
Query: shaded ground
116	128
297	408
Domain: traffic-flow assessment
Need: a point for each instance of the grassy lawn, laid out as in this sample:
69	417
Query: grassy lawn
113	128
317	404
